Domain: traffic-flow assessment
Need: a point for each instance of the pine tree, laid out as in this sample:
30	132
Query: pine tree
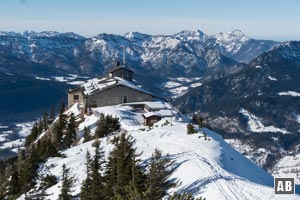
133	193
14	186
157	182
102	128
190	129
86	187
59	127
87	134
70	136
184	196
123	168
33	135
93	186
45	121
96	168
106	124
2	186
52	113
67	184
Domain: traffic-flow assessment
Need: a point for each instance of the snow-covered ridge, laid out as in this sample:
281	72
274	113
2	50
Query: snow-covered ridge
255	125
33	34
208	168
289	93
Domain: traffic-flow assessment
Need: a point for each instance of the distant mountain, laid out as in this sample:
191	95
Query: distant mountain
235	45
186	53
260	105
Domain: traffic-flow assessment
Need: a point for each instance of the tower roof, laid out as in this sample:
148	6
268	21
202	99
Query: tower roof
120	67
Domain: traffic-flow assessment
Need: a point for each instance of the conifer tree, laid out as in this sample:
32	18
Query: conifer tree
190	129
123	168
45	121
14	186
93	186
2	186
52	113
67	184
33	135
157	182
60	126
102	128
105	125
87	183
70	136
184	196
87	134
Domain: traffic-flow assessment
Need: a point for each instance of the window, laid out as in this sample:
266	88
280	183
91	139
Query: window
115	100
105	100
125	99
76	97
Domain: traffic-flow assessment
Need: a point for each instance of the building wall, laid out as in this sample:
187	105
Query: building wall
151	120
115	95
122	73
71	99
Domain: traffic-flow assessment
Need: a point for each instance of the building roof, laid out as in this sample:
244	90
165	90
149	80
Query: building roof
96	85
151	114
74	89
120	67
160	113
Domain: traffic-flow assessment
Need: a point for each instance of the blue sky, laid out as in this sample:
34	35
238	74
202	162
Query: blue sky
270	19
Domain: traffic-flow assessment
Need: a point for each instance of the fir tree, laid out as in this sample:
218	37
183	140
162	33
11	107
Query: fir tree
93	186
190	129
52	113
87	134
60	126
45	121
157	182
102	128
33	135
70	136
133	193
123	168
105	125
86	187
184	196
67	184
14	186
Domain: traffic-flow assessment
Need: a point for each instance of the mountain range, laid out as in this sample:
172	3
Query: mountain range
246	89
183	54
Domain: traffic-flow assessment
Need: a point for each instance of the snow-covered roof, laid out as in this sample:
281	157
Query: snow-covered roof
96	85
151	114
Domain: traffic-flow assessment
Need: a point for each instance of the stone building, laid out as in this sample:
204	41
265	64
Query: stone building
115	87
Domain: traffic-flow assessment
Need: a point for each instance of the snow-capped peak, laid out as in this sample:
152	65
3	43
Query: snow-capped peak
136	35
191	35
232	36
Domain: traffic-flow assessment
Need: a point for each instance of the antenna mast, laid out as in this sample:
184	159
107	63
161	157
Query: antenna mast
124	54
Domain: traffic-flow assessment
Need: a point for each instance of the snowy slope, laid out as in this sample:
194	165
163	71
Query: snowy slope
208	168
288	166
